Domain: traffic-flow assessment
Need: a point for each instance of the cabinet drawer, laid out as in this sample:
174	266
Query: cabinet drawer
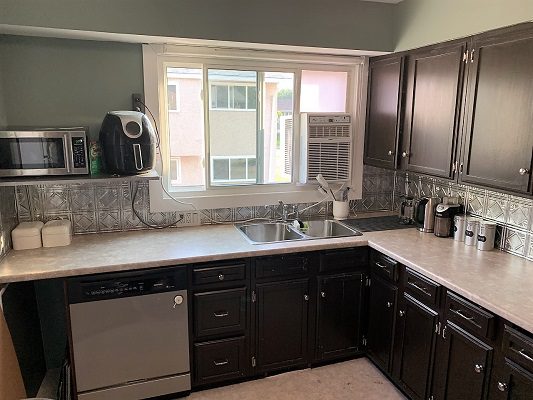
384	266
218	273
518	347
348	259
219	360
286	265
220	312
422	288
469	316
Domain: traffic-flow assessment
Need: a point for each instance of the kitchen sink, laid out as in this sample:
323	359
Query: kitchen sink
321	228
272	232
269	232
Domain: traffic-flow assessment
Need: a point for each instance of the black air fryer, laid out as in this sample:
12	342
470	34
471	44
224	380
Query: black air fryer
128	143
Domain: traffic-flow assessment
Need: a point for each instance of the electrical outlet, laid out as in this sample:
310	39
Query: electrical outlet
137	102
189	219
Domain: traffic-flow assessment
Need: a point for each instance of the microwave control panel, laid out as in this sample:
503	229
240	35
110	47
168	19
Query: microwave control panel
79	152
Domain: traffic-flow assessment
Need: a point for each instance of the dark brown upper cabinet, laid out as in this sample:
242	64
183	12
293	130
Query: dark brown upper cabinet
433	109
383	119
498	144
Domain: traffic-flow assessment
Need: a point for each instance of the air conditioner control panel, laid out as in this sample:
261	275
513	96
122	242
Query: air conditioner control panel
330	119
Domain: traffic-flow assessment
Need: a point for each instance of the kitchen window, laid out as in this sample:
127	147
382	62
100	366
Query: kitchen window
233	97
237	132
173	97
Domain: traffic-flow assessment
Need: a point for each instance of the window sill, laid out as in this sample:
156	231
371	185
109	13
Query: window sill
160	202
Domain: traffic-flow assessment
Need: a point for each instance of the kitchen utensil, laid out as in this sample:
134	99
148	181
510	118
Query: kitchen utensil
128	143
407	210
425	213
486	235
444	217
471	231
459	228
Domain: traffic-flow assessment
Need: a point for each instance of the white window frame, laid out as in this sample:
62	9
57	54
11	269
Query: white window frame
211	108
156	58
230	180
178	179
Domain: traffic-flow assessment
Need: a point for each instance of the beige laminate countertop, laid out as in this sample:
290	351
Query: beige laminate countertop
500	282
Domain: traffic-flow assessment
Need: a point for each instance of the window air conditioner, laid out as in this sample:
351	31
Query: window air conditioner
326	147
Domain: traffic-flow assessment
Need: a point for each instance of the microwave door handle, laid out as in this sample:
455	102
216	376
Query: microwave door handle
137	154
67	153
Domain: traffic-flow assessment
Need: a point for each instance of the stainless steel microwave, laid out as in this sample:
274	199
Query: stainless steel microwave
45	152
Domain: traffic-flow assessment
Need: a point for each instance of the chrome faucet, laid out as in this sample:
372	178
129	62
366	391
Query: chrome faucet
282	211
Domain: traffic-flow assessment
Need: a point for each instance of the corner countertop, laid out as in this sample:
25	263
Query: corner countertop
498	281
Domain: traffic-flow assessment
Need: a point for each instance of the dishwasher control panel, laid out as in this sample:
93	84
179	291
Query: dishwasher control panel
116	285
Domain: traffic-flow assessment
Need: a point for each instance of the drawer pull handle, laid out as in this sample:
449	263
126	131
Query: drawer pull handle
525	355
502	387
478	368
221	314
421	288
220	363
381	265
221	277
402	313
460	313
389	304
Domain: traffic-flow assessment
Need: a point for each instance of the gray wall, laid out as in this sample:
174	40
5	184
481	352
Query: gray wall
423	22
3	117
57	82
348	24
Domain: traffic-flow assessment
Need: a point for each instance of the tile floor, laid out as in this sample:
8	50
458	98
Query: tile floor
349	380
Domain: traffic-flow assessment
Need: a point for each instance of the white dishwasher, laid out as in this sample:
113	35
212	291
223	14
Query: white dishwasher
129	334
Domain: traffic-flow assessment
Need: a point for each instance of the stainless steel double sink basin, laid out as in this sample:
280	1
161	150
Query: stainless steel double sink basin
272	232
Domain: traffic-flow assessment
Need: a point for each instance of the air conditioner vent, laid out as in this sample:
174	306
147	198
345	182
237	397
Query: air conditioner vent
324	131
326	147
332	160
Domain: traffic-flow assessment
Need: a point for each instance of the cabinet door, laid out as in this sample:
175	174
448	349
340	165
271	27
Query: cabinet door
282	314
433	109
383	111
417	347
381	318
517	384
339	315
463	365
499	136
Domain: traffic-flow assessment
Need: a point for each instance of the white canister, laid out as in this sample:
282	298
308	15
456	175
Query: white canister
459	228
471	231
486	235
341	209
57	233
27	235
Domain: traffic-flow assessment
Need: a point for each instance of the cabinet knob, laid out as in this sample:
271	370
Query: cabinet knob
390	153
478	368
306	297
502	387
323	294
220	277
523	171
402	313
405	154
389	304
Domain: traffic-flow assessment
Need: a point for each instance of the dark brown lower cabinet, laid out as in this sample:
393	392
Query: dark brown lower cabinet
463	366
220	360
282	313
381	322
339	315
516	383
417	333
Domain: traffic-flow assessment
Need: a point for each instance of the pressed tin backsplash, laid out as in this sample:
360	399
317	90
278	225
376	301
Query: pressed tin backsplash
105	207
